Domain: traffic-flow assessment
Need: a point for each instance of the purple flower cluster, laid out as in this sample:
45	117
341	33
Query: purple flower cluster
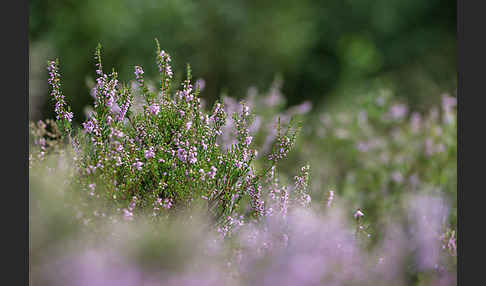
138	165
154	109
90	125
212	172
182	154
285	143
139	75
164	64
149	153
125	105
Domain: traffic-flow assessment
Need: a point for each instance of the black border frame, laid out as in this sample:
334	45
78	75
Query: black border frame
471	62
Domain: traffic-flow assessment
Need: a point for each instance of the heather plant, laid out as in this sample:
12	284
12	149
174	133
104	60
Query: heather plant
147	151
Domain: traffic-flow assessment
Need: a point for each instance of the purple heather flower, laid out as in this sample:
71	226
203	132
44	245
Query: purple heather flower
182	154
110	102
139	73
138	165
124	109
212	172
127	215
248	140
188	125
363	146
164	64
186	92
54	81
192	157
89	126
398	111
154	109
358	214
68	116
168	71
167	203
149	153
203	174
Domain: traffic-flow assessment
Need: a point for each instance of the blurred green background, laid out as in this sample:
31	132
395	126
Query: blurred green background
323	50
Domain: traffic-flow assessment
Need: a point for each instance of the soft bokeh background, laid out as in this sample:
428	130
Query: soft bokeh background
325	51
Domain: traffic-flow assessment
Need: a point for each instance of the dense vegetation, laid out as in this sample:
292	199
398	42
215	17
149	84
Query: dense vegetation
158	187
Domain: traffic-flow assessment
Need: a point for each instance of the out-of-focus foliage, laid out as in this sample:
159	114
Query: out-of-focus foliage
319	47
303	248
376	150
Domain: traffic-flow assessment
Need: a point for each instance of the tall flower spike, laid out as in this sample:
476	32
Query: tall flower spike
284	142
99	67
163	62
301	184
63	112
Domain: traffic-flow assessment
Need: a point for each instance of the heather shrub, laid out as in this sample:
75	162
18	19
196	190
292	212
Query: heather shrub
150	151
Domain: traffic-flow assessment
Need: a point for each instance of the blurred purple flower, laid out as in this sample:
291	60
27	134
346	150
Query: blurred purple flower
398	111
